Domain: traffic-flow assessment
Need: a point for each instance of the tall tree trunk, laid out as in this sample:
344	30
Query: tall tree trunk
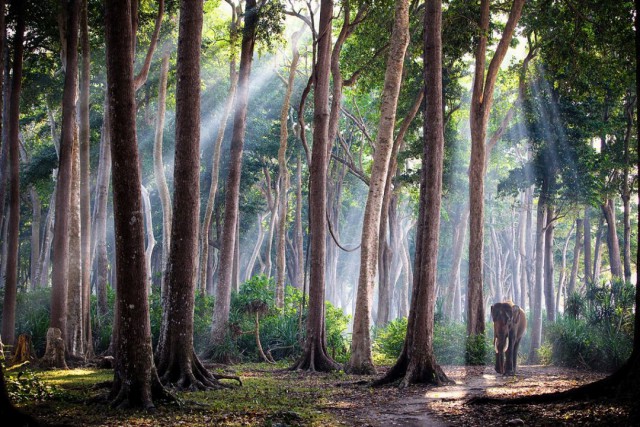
528	283
417	363
178	364
536	306
283	173
158	165
299	242
100	215
549	296
454	278
5	83
481	102
562	280
151	240
36	209
626	191
223	290
74	336
315	356
613	244
136	382
361	360
597	253
571	287
13	230
215	161
254	255
69	136
588	266
85	178
42	273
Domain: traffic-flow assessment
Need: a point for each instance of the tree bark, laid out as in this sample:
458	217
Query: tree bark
223	290
536	306
136	382
283	173
74	335
178	364
549	296
85	178
36	222
571	287
315	356
215	161
158	165
299	242
481	102
626	191
588	266
562	280
151	240
613	244
361	360
13	230
417	363
61	234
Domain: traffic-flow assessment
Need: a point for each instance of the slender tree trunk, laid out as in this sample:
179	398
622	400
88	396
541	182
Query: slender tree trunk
283	174
417	363
529	283
549	295
315	356
158	165
215	162
571	287
69	136
613	244
481	102
536	330
597	253
299	242
85	177
562	280
42	272
136	382
361	361
13	230
254	255
588	266
151	240
36	209
626	191
74	335
223	290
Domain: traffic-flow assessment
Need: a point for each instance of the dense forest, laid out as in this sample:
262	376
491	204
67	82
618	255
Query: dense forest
319	212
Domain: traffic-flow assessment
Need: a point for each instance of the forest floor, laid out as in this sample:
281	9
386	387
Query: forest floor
271	396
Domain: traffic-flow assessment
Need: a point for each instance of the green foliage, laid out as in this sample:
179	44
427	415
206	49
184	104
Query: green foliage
32	316
596	332
279	328
450	343
26	386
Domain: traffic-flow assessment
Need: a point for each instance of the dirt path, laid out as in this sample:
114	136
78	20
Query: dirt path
449	405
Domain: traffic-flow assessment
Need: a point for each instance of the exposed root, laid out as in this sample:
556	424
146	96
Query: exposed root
315	359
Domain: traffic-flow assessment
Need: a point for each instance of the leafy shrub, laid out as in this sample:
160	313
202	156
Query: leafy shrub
596	331
32	316
26	386
449	343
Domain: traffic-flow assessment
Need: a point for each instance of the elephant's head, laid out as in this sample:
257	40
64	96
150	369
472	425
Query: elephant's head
505	316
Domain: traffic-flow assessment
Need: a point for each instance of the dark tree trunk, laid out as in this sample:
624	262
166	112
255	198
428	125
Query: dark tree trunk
315	356
417	363
4	152
13	231
178	365
613	244
136	381
232	191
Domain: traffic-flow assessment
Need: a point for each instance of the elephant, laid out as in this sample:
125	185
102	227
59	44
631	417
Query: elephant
509	325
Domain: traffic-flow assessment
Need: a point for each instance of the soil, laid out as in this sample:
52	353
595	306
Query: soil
272	396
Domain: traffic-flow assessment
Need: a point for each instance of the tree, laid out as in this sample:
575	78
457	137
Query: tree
136	382
481	102
417	363
361	361
11	279
232	191
315	356
178	364
60	270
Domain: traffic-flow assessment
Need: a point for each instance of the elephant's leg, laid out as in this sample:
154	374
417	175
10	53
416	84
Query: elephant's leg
511	350
515	355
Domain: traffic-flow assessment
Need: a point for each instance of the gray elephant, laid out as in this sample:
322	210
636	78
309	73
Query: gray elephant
509	325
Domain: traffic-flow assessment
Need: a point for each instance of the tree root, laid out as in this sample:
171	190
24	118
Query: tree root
315	359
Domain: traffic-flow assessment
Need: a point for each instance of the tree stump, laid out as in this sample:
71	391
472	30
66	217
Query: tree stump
54	353
23	350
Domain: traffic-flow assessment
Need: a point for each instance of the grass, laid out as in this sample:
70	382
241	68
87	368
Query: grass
269	396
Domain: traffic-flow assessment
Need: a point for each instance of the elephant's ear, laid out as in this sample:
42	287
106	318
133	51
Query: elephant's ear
493	312
516	313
